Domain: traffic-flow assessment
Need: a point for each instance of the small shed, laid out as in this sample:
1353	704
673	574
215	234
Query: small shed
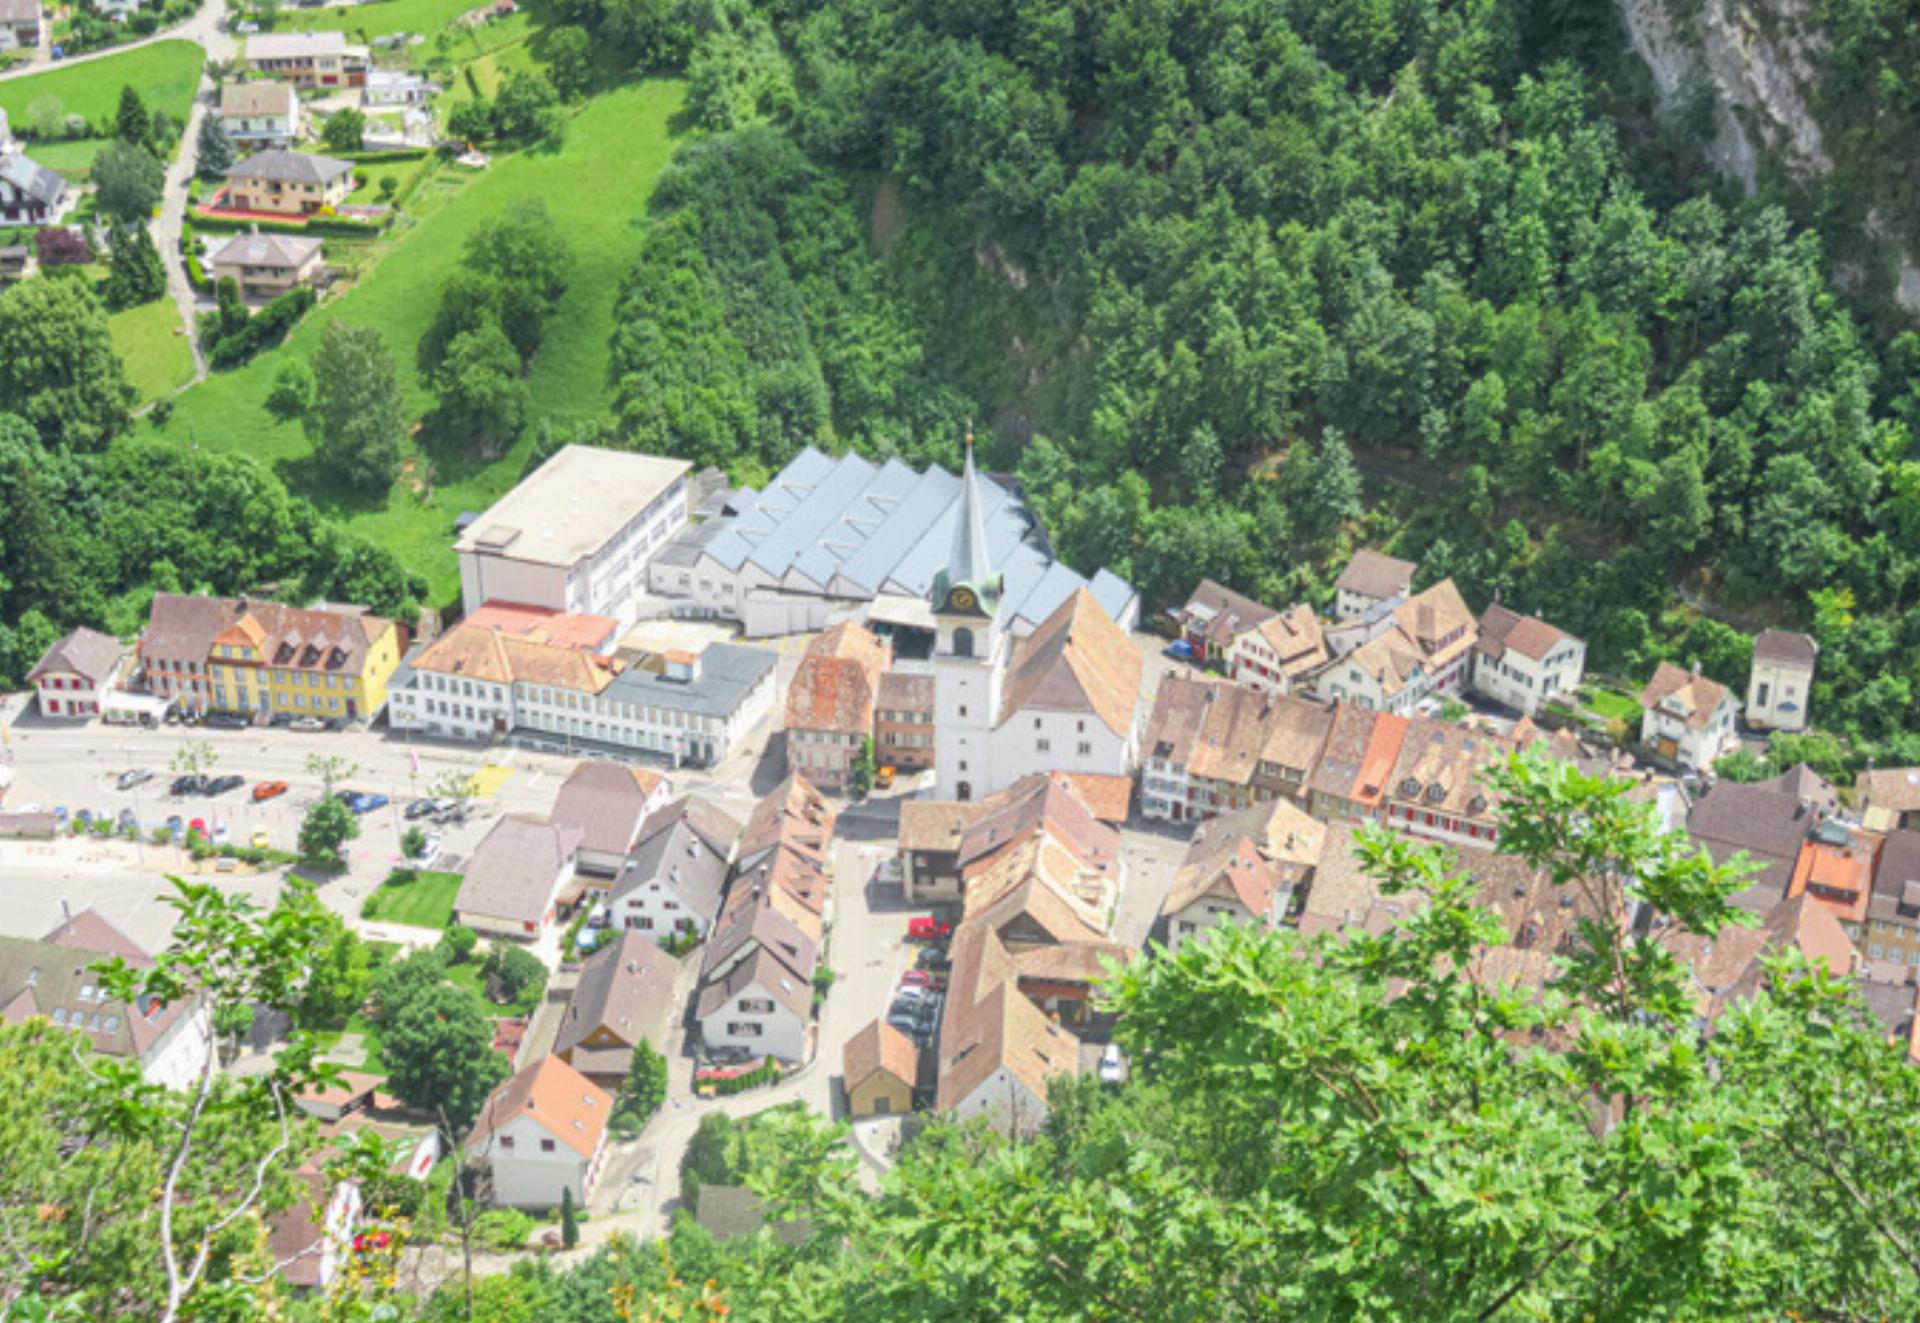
879	1068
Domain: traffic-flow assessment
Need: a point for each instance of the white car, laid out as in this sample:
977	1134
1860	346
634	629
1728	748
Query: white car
428	851
1113	1066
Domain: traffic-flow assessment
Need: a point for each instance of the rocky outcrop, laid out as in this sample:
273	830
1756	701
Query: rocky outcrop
1754	60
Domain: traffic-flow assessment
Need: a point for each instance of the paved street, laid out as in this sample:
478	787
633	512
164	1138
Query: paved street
205	28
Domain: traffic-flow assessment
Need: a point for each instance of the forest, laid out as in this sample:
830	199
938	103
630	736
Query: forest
1238	285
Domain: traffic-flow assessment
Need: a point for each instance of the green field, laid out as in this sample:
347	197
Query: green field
158	358
1612	706
595	188
426	18
424	901
165	74
72	159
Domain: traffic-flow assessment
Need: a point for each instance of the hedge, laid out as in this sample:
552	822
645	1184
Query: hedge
263	330
381	158
336	225
726	1082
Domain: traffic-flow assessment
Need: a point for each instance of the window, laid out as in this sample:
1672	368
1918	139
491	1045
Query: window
744	1029
1085	748
1042	746
963	709
756	1005
546	1146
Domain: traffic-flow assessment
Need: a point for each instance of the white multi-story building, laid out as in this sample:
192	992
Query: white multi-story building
1370	580
676	873
75	675
1780	686
577	534
1060	699
1421	650
480	684
1686	716
1524	662
541	1134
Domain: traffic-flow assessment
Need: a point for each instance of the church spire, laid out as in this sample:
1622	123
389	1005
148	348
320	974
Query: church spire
968	584
967	559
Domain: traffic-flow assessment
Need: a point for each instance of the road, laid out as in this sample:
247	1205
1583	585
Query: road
208	28
204	28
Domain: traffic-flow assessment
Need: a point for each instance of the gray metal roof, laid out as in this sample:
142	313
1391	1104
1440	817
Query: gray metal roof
727	674
32	179
848	527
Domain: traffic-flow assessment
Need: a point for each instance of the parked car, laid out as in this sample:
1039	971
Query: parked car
228	721
220	785
906	1024
920	978
420	808
83	818
221	835
337	723
1113	1065
126	819
883	777
361	801
281	719
926	928
261	841
428	851
59	813
309	723
186	785
1180	650
908	995
175	827
932	958
134	776
269	790
199	825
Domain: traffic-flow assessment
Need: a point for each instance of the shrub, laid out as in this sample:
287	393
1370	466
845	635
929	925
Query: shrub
60	246
503	1229
263	330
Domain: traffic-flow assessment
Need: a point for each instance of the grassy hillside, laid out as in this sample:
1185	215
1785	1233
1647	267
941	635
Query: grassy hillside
594	187
165	74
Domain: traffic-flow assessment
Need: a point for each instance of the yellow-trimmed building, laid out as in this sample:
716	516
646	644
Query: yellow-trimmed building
323	661
880	1067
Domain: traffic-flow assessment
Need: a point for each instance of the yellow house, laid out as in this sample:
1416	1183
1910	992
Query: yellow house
879	1067
329	661
288	183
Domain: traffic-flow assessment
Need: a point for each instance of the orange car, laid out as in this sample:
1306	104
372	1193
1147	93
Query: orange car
269	790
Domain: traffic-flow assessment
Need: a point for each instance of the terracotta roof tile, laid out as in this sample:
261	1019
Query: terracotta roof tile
1077	660
879	1046
1688	695
569	1106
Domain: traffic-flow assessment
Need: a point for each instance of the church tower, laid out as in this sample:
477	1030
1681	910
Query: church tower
969	652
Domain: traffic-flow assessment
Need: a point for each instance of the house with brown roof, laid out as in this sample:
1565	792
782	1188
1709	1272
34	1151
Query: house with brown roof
542	1133
260	114
53	978
515	876
1242	867
607	802
1215	616
1888	797
1280	653
1686	717
1729	968
1026	961
1893	911
831	703
1780	682
1419	649
1769	826
1836	867
1212	747
756	985
1437	788
674	876
266	266
20	22
623	998
1369	581
879	1068
251	656
1524	662
1356	762
903	722
74	676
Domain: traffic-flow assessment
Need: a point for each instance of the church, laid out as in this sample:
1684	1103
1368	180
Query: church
1063	697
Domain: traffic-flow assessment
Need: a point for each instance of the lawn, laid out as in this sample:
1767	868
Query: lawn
165	74
74	158
594	187
149	341
424	900
425	17
1612	706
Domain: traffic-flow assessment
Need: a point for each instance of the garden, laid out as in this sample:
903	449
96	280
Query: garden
418	898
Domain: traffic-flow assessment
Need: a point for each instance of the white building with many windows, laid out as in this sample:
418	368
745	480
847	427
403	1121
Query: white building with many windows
577	534
1524	662
482	684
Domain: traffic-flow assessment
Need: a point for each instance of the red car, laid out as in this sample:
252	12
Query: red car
926	928
920	978
269	790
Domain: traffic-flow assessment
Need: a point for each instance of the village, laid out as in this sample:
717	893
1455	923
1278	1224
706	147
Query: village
843	792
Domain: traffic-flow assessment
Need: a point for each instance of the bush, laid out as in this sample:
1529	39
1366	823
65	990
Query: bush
263	330
59	246
457	944
503	1229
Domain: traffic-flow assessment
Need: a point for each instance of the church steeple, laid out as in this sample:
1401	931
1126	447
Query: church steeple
968	585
